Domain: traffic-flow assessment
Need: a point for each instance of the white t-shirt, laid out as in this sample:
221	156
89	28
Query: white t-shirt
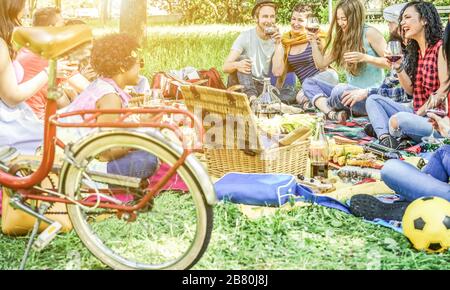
258	50
19	126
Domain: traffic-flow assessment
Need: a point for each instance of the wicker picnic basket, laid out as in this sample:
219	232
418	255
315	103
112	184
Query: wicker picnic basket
225	156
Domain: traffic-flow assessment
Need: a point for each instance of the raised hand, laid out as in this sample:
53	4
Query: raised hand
244	66
351	98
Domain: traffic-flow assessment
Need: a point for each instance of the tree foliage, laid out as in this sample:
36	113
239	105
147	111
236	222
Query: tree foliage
238	11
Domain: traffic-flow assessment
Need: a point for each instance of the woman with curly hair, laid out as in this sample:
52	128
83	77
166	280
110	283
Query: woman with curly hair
353	46
425	75
115	59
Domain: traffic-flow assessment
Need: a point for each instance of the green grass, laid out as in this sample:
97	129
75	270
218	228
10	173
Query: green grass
304	238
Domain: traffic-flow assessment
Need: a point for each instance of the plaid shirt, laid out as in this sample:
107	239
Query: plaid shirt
427	76
391	89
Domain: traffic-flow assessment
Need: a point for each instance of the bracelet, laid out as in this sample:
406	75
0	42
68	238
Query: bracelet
400	69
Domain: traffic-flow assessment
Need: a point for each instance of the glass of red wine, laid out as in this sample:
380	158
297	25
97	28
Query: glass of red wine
270	30
441	111
394	53
313	24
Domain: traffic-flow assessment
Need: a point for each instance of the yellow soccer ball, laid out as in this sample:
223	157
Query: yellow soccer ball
426	224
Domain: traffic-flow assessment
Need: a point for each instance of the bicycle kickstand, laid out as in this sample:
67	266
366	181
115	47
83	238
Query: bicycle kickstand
45	238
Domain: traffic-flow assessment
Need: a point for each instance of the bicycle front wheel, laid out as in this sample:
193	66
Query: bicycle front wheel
172	232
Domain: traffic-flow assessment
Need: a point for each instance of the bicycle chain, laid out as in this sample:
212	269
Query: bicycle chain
26	171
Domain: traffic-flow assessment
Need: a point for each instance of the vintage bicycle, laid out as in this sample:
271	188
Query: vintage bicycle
126	222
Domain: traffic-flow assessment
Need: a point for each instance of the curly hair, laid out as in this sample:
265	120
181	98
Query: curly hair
114	54
351	40
9	18
433	33
46	16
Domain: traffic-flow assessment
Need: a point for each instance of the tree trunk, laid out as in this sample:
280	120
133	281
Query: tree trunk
170	7
58	4
133	19
32	7
105	11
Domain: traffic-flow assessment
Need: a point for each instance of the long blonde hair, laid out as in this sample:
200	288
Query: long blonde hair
352	40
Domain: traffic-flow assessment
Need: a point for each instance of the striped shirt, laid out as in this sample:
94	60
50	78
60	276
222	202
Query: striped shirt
303	64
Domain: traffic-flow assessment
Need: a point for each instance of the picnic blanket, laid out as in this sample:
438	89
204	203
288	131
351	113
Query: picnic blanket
353	131
242	195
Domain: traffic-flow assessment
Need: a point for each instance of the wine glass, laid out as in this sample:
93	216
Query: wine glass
157	98
270	30
394	53
313	24
431	140
439	112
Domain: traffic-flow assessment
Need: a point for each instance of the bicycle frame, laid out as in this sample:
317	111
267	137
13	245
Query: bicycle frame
25	184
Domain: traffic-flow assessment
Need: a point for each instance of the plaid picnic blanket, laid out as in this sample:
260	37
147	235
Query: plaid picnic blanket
351	131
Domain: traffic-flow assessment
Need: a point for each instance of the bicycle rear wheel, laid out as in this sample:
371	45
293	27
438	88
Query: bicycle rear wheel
171	233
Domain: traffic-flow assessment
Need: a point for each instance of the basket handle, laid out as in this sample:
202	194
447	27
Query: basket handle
250	152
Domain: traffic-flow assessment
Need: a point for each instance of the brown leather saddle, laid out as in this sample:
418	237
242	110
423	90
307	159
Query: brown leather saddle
52	42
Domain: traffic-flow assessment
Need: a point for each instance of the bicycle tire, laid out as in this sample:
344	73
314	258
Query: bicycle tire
71	178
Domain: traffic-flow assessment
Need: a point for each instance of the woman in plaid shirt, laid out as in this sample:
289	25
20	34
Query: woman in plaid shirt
420	74
424	75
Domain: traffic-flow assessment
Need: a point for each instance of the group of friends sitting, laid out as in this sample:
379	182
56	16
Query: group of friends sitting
398	106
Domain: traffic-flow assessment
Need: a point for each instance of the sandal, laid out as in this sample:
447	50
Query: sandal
307	106
340	117
304	103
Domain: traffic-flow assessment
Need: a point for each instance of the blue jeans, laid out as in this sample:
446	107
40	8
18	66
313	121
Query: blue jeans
251	87
411	183
380	109
315	88
139	164
287	94
413	126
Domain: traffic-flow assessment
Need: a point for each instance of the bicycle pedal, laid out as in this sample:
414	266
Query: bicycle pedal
47	236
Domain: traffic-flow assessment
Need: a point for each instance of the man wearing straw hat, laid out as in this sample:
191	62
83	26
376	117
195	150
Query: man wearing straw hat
252	53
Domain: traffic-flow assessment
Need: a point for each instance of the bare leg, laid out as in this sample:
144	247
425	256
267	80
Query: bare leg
322	104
